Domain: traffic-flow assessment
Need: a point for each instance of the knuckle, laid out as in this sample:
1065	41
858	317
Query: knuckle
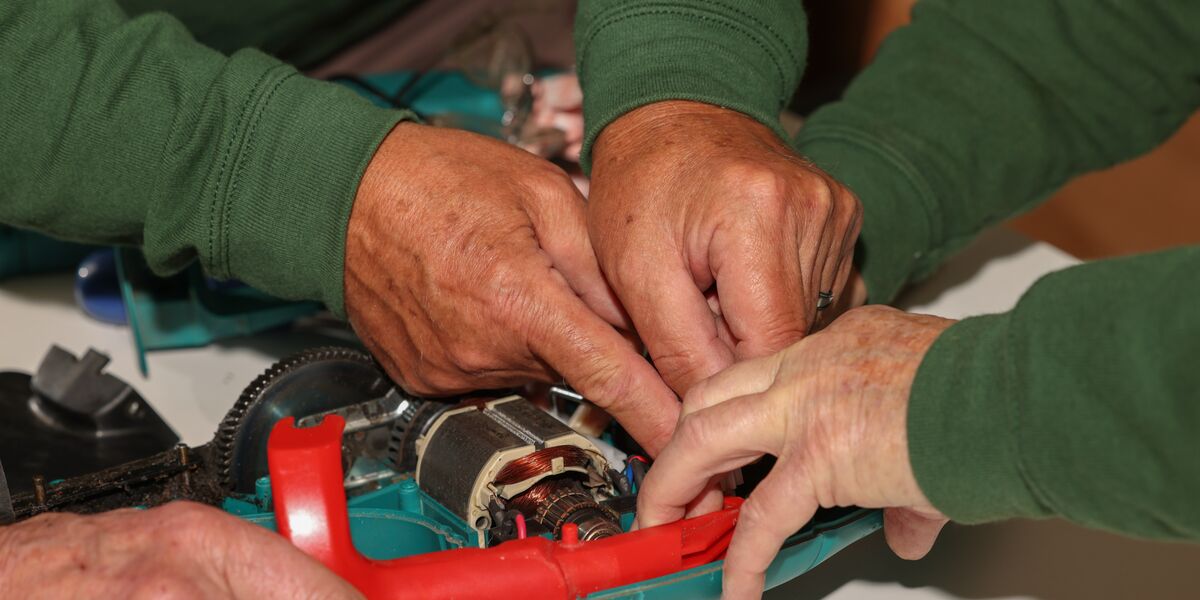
508	302
626	267
607	383
818	196
441	382
868	313
183	512
683	368
416	385
514	308
551	182
847	199
849	208
762	188
473	360
499	276
696	397
756	513
692	432
185	524
430	381
778	333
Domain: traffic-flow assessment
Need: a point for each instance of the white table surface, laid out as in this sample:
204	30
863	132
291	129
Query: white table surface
192	389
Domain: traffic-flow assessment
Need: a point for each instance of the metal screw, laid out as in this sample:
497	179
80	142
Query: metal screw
183	461
39	489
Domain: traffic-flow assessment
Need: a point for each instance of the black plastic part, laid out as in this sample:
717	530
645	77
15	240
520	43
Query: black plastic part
180	473
457	452
620	482
76	396
6	506
71	418
639	472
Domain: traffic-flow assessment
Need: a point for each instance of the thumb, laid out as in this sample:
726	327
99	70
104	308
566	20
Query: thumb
910	533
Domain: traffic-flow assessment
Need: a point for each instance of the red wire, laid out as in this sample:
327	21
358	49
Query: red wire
639	458
521	531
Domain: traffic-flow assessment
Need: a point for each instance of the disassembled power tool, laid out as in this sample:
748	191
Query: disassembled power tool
485	496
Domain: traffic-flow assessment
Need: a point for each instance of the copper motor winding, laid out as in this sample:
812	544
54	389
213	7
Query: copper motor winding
541	462
556	501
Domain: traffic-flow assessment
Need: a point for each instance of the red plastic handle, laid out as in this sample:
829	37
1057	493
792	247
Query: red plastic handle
310	510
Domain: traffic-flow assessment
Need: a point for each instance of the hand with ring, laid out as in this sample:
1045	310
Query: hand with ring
722	243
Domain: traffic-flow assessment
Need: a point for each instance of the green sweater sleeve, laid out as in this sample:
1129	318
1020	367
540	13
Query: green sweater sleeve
979	110
1083	402
746	55
127	131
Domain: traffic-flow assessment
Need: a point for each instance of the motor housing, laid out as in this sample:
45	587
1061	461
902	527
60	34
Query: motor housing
476	457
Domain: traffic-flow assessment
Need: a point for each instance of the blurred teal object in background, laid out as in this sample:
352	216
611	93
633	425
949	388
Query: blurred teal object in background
437	93
29	253
189	309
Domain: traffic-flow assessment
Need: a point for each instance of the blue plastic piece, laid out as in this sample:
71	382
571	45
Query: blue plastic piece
98	287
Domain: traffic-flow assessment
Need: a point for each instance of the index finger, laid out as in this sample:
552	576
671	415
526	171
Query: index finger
742	379
709	442
600	364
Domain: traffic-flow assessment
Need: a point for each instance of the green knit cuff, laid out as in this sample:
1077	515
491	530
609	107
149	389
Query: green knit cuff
896	202
294	173
962	426
746	56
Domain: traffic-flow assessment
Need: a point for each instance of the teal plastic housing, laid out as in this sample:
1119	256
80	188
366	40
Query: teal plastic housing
400	520
394	521
189	310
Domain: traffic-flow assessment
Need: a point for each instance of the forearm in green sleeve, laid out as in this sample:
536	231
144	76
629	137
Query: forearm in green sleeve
127	131
1083	402
743	55
978	110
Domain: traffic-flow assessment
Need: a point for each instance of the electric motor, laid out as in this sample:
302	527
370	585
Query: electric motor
478	460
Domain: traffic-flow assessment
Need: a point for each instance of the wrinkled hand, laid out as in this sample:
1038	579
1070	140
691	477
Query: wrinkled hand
468	266
832	410
716	236
180	550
